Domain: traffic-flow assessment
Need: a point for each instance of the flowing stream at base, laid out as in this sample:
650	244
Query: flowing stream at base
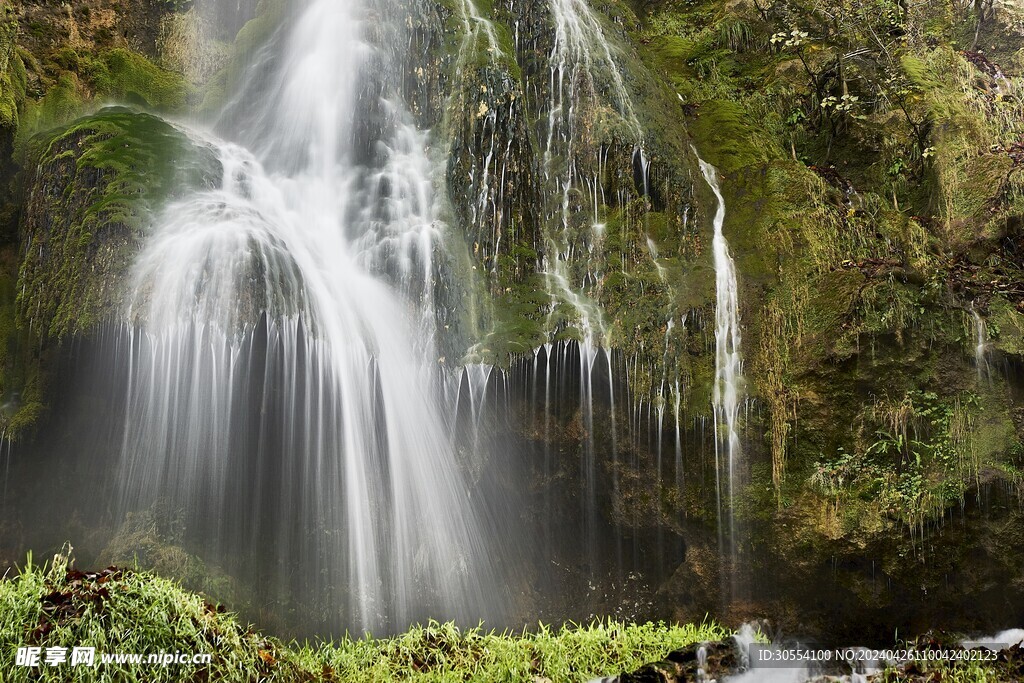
283	385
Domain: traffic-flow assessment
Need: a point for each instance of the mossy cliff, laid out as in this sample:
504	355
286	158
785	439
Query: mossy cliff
870	163
870	155
564	155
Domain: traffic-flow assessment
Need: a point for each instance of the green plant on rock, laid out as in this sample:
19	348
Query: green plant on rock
124	611
919	459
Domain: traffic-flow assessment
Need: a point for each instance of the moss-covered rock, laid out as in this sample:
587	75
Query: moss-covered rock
117	610
96	188
122	610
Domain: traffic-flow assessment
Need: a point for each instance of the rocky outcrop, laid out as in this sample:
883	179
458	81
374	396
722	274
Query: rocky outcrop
91	26
697	662
96	187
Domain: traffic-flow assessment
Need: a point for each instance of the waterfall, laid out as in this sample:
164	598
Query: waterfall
980	343
728	362
581	65
580	54
284	385
581	70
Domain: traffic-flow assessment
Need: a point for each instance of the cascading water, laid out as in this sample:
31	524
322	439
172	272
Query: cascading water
580	66
728	364
980	343
283	368
581	71
283	385
288	403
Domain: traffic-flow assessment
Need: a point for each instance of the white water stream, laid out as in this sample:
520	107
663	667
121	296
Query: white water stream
980	343
728	361
281	342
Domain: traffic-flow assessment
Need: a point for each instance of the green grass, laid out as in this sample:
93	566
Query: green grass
443	652
124	611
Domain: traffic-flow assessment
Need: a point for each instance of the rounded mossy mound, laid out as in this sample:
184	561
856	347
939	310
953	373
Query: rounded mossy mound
95	190
119	611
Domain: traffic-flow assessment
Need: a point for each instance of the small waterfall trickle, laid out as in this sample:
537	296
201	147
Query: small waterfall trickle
728	371
980	343
575	365
581	65
580	43
486	174
582	71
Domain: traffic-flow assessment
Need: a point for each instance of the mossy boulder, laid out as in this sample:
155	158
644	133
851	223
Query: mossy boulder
120	610
96	188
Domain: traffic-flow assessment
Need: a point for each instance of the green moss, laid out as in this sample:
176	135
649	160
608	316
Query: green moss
125	611
853	279
442	652
62	102
730	141
98	183
1006	327
517	325
833	300
21	403
12	72
913	458
121	75
672	53
131	78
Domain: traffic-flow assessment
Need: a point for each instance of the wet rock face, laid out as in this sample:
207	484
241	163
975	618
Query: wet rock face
93	193
493	173
564	153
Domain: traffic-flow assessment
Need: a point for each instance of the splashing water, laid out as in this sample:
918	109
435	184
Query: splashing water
1000	641
281	345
